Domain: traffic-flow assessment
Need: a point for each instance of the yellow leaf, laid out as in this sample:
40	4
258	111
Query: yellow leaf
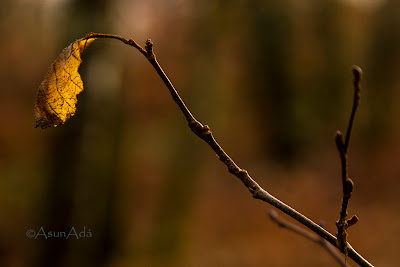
56	99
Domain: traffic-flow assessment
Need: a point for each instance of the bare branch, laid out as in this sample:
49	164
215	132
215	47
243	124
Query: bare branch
204	132
342	224
315	238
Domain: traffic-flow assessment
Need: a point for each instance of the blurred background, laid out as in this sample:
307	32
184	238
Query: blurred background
271	78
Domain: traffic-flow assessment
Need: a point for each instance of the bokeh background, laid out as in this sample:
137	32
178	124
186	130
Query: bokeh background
271	78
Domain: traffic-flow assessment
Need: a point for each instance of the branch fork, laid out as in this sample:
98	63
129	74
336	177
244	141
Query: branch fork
204	132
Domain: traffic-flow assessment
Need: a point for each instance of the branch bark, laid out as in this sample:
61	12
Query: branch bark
204	132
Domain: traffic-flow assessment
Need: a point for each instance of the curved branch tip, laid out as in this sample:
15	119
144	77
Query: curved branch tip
357	73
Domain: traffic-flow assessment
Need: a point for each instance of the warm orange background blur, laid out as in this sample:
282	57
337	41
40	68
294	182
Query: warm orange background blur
271	78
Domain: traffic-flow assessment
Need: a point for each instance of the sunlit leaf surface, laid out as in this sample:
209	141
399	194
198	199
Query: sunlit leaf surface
56	99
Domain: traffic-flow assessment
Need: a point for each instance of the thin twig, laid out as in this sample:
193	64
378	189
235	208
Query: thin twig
343	146
313	237
357	73
130	42
204	132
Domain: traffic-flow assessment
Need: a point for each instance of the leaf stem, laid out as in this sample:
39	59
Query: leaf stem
130	42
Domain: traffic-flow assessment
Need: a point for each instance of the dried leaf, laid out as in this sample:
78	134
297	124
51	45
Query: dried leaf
56	99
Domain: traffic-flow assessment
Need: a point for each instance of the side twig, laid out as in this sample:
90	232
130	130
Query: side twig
313	237
204	132
343	146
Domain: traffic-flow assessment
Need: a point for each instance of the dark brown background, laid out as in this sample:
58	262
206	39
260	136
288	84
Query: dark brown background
271	78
